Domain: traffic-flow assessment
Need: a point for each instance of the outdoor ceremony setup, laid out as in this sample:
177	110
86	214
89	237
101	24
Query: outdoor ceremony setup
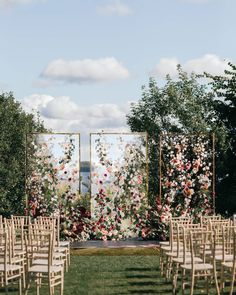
31	250
118	147
116	206
195	245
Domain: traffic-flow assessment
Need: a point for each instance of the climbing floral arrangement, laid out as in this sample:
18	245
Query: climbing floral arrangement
186	174
118	186
53	180
186	181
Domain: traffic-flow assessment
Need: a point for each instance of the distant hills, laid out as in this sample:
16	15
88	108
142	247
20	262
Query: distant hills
85	166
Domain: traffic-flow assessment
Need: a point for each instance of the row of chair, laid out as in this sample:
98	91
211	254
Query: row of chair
32	251
204	250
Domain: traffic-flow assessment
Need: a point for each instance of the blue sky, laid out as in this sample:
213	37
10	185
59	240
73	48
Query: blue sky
81	62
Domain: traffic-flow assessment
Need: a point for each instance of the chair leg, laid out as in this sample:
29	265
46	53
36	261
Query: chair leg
24	276
62	283
50	288
66	260
37	286
20	287
27	284
192	282
69	256
183	281
161	262
232	282
175	276
222	278
168	267
216	281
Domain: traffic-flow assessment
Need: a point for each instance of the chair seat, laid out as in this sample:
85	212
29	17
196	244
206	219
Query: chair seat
61	249
45	262
10	267
209	252
64	243
228	257
173	248
171	254
198	266
44	269
165	247
165	243
45	255
188	259
228	264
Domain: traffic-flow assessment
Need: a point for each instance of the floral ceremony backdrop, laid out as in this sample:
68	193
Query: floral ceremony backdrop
53	176
118	184
186	175
117	205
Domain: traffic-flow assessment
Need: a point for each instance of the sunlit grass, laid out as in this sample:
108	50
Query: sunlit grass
105	271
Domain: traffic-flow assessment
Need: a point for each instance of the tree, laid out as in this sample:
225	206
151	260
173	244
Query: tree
224	89
183	105
180	106
15	124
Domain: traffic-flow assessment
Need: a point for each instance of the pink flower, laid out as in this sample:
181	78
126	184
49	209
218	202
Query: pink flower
140	179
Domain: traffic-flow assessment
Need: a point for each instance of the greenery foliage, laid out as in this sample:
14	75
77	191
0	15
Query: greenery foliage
224	90
182	106
15	123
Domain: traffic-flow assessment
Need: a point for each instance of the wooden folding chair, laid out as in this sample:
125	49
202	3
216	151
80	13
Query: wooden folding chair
199	241
9	271
39	246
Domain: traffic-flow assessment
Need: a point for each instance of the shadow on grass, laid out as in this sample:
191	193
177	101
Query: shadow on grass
140	276
141	269
8	290
147	291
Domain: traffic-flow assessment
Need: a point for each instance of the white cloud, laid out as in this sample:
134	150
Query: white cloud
115	7
62	114
164	67
9	3
210	63
86	70
36	102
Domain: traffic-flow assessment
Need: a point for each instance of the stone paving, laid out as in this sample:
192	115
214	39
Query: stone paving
132	243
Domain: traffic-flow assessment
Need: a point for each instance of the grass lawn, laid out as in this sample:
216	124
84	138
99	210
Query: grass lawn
104	272
114	271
